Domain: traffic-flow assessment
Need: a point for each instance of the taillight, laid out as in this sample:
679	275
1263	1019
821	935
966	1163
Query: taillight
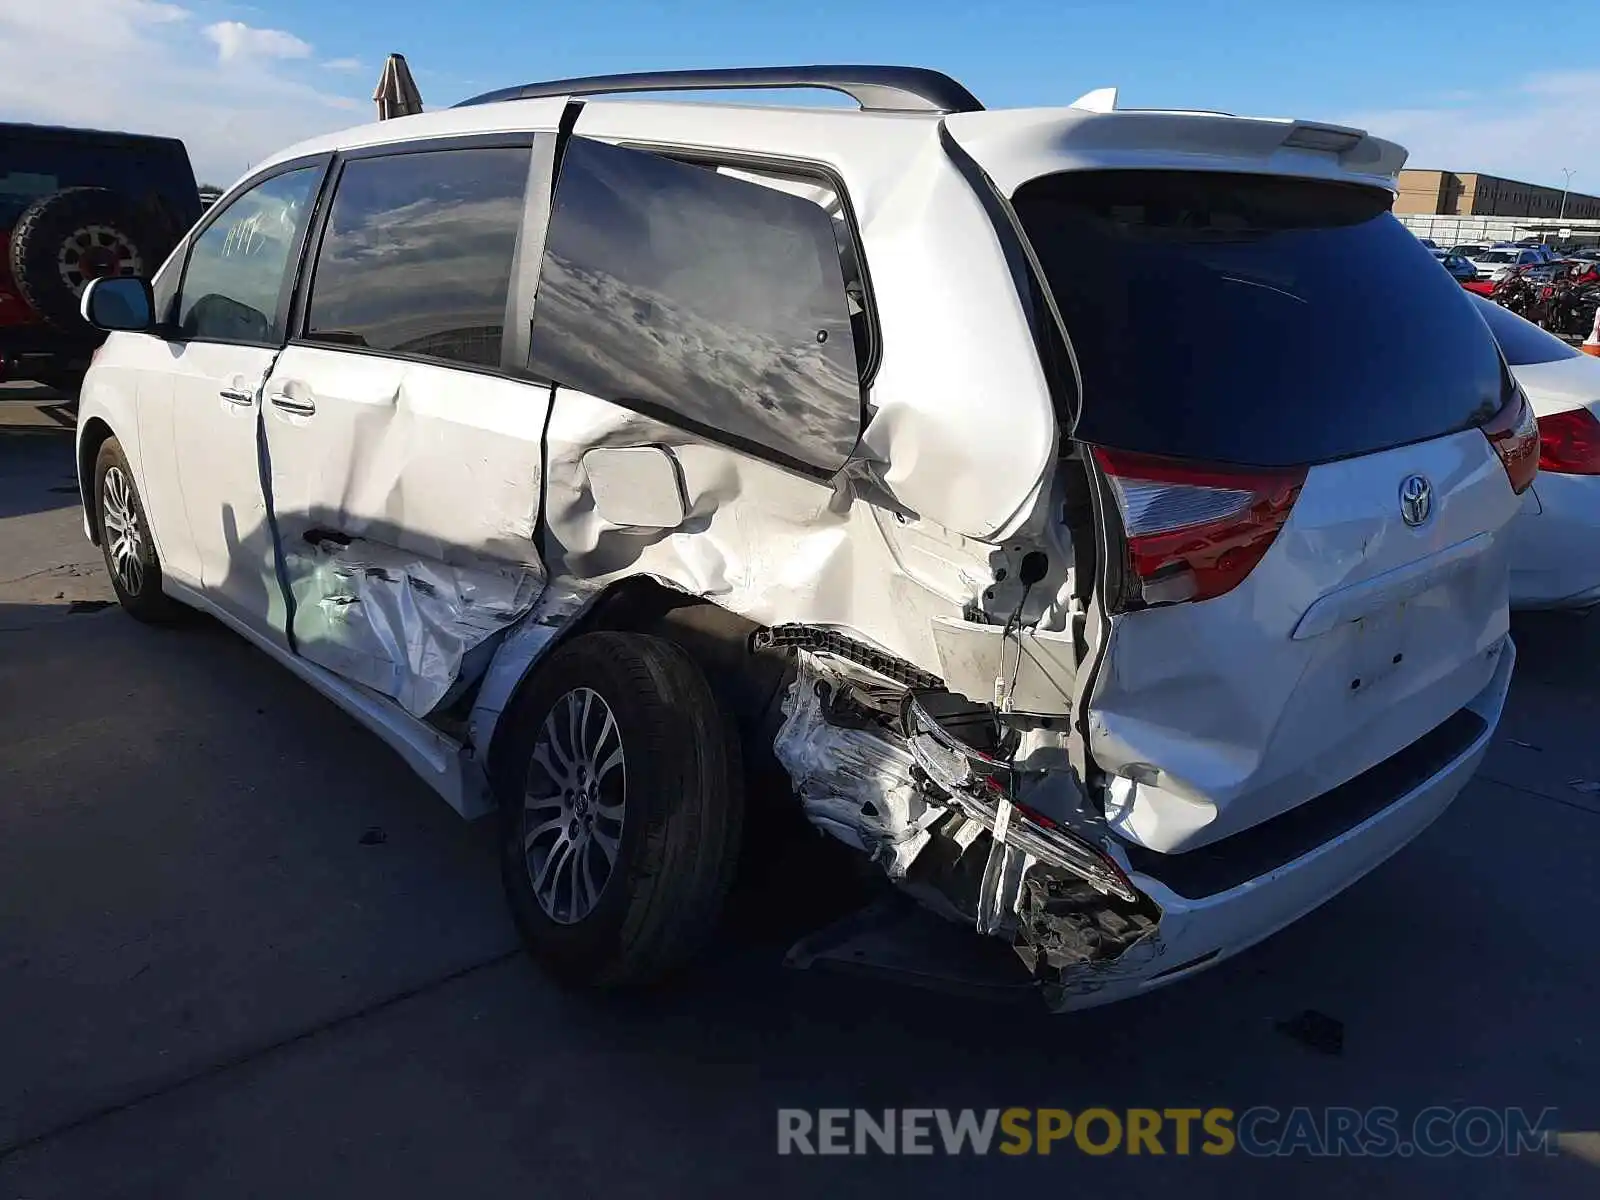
1193	531
1569	443
1514	434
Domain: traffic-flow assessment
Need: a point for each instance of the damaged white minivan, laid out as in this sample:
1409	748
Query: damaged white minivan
1095	514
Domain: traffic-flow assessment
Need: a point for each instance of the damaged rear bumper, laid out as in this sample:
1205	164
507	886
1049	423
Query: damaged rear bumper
968	831
1196	933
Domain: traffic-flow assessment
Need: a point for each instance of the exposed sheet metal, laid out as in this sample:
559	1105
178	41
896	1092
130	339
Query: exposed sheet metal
399	623
560	604
852	783
1036	670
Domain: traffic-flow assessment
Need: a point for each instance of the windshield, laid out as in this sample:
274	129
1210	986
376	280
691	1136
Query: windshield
1254	320
1496	256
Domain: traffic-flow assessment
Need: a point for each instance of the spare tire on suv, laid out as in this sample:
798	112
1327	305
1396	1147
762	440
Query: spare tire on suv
63	240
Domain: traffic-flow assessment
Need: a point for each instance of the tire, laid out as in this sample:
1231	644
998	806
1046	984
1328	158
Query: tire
671	810
63	240
125	540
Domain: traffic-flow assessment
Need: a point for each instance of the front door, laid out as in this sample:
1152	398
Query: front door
404	453
230	318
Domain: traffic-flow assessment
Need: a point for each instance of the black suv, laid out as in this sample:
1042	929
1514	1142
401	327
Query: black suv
76	204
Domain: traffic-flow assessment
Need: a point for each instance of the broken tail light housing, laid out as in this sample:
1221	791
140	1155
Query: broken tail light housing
1569	443
979	784
1195	531
1514	434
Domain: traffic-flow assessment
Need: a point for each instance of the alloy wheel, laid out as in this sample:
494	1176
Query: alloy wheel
119	521
574	805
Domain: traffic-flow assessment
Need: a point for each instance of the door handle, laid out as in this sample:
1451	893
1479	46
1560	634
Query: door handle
300	408
238	396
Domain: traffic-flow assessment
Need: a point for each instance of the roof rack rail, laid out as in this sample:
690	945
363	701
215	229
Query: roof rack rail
875	88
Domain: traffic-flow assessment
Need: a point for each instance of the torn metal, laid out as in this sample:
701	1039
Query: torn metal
401	624
928	785
853	782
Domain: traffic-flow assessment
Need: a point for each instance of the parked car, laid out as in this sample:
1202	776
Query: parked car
1461	269
1429	243
587	449
1555	547
75	205
1501	261
1470	249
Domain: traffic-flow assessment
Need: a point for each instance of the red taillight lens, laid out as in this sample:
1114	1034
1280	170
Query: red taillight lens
1193	531
1514	434
1569	443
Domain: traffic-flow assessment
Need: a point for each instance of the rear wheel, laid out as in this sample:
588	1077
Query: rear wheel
620	806
125	540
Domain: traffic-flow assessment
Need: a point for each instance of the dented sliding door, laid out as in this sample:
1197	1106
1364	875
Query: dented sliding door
404	460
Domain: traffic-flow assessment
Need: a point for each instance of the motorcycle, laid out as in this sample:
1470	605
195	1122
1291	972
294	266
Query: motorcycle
1564	305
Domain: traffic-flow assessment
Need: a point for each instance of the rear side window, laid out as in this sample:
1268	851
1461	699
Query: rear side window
1522	342
416	258
1255	320
711	302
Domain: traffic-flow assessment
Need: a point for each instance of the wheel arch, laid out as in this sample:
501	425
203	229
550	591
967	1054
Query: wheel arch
748	684
95	432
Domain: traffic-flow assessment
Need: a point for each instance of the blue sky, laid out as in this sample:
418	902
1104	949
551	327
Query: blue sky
1464	85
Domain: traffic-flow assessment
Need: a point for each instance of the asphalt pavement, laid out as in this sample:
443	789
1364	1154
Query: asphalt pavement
243	952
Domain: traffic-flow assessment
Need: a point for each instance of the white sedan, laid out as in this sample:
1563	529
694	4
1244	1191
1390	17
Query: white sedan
1555	539
1498	262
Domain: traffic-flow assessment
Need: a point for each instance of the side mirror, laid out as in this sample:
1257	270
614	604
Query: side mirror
118	304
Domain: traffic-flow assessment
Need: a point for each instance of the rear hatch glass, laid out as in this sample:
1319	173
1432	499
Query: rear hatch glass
1255	320
1522	342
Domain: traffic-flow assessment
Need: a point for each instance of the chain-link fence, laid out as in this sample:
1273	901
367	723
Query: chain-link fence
1447	231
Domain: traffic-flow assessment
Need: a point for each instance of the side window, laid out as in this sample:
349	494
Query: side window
239	269
706	300
417	254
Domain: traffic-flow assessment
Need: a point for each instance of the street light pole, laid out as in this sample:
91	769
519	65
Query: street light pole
1569	173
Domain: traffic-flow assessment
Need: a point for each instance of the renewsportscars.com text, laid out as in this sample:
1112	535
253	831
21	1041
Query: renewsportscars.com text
1261	1131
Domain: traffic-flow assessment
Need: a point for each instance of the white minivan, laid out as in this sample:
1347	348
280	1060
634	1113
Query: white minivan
1093	516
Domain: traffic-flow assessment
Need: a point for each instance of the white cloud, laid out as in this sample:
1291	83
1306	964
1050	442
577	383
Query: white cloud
1528	130
235	39
344	64
146	66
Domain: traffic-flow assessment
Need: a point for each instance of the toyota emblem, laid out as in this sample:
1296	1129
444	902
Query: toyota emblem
1416	499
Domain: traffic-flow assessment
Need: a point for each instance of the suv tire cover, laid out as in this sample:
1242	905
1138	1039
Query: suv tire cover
63	240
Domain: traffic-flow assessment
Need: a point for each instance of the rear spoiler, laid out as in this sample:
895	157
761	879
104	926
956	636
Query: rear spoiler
1021	144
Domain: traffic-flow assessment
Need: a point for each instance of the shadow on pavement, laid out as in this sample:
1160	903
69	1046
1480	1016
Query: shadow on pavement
37	472
1559	648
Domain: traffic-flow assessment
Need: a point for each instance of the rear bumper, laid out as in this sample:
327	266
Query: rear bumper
1198	933
1555	544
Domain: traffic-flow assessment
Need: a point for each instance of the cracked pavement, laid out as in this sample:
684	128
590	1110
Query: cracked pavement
214	983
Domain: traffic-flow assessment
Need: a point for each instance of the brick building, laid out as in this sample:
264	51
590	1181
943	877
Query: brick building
1451	193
